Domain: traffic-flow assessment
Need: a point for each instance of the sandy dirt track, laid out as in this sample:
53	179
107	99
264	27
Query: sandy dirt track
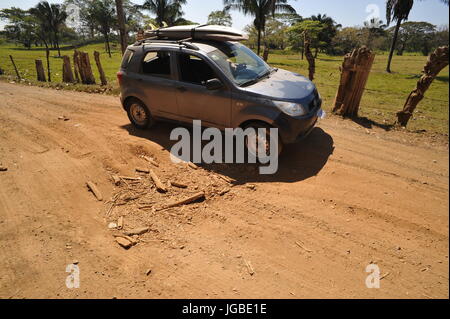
350	196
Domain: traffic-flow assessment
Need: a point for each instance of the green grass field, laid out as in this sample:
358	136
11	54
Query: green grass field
385	93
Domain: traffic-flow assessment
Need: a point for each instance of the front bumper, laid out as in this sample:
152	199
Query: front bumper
295	129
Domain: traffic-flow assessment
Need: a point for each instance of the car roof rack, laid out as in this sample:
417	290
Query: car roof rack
181	43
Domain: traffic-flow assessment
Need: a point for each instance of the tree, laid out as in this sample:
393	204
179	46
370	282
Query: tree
329	30
51	16
261	10
416	36
374	28
102	14
220	17
122	28
20	26
166	11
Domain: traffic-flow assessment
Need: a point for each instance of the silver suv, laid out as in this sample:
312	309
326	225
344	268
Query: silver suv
223	84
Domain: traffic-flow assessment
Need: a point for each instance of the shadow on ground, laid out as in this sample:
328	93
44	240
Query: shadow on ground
298	162
369	124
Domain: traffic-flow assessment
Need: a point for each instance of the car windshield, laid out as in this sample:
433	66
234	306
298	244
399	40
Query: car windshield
240	64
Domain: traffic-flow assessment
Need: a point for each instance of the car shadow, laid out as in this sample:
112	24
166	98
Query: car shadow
298	161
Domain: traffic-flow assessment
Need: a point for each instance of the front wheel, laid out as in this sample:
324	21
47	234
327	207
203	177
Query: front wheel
139	114
254	141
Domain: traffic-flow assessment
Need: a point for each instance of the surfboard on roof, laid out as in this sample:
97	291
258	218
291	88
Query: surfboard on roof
198	32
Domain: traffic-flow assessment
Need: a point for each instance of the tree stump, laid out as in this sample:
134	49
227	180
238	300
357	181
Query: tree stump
437	61
309	56
67	70
84	68
40	71
355	71
100	69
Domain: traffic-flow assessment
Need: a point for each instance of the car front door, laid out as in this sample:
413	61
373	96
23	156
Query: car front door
157	82
195	101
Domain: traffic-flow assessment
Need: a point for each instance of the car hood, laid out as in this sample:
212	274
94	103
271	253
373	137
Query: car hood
283	85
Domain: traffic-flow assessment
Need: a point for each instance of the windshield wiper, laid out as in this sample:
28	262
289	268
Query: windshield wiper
259	78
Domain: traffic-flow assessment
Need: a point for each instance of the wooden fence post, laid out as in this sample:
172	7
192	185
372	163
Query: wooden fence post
76	65
355	71
67	70
100	69
49	75
437	61
84	67
15	68
40	71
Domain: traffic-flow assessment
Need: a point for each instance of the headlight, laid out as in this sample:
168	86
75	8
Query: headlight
292	109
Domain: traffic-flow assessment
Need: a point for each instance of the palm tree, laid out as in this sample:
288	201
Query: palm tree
396	10
166	11
375	28
51	17
122	27
260	9
329	31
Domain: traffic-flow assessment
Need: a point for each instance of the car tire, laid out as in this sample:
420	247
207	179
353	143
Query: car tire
256	126
139	114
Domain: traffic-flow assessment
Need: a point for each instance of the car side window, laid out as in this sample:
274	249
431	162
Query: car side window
194	69
157	64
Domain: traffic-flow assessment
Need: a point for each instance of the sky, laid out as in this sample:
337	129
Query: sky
345	12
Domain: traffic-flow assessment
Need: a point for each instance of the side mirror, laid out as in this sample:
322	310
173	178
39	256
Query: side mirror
214	84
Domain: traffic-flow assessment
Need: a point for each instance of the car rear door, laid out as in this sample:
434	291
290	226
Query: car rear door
195	101
156	81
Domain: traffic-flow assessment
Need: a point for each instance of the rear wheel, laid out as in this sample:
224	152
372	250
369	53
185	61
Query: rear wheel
253	141
139	114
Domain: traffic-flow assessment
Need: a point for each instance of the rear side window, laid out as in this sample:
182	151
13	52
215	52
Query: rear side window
127	58
157	64
194	69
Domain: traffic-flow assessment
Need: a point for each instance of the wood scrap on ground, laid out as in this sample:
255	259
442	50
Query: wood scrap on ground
185	201
94	189
159	185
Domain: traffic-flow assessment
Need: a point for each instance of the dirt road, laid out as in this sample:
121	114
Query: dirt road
343	199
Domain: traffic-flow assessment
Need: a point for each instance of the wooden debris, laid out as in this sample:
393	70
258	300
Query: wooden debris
148	272
120	223
116	180
185	201
95	191
151	161
192	165
177	184
137	231
159	186
125	243
63	118
224	191
130	178
385	275
226	179
142	170
250	269
303	247
3	169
